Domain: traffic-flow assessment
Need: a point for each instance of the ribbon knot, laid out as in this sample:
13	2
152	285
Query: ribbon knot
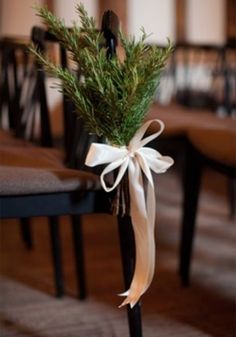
138	160
131	154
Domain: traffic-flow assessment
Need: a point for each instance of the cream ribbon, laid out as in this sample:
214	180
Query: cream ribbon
137	159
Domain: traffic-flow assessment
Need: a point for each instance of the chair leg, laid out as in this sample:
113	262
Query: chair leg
26	234
56	255
192	181
232	196
127	246
79	256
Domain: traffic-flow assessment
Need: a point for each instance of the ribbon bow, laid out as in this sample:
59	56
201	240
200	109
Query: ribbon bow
137	159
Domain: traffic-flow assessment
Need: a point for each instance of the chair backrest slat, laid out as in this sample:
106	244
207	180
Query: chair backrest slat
76	138
19	95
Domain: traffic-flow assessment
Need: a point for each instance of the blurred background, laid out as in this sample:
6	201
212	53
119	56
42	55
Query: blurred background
197	21
196	199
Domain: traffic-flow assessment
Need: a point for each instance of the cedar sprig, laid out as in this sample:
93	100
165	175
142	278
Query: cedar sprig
113	95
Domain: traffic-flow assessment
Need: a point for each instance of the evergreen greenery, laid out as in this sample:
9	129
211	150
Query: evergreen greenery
112	96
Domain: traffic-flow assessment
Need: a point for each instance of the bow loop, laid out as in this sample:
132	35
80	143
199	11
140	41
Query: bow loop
137	141
156	162
103	154
123	164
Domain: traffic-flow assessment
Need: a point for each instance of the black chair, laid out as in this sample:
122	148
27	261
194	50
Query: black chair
60	191
204	80
23	92
191	118
17	69
212	146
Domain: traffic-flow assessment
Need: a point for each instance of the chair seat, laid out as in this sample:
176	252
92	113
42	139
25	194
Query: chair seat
31	157
36	170
178	119
216	143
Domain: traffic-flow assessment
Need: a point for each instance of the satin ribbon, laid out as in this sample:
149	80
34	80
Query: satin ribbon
138	160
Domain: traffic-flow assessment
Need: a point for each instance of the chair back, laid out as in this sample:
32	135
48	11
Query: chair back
20	85
198	77
82	140
14	60
76	139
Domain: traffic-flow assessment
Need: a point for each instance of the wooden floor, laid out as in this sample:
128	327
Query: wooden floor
207	307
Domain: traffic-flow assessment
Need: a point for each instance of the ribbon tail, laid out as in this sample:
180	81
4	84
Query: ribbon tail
143	225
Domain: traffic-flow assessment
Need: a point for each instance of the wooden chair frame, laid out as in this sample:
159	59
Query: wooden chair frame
76	203
195	162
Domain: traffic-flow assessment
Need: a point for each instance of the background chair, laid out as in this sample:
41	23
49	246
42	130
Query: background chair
198	84
23	94
213	146
200	129
15	63
191	89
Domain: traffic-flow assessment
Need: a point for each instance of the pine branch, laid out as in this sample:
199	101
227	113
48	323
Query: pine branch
113	97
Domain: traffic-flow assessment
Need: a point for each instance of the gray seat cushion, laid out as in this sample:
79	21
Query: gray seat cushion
37	170
31	156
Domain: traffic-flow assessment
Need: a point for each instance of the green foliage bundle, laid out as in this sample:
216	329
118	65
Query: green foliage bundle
113	95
